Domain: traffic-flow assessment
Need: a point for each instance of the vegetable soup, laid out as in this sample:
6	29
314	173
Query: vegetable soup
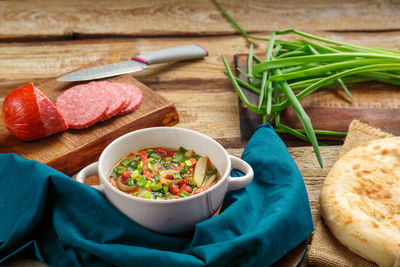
164	173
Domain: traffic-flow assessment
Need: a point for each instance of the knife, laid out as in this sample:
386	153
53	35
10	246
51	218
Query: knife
137	63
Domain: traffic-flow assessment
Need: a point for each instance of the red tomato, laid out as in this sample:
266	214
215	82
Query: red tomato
146	172
126	175
174	189
184	181
160	151
186	188
169	176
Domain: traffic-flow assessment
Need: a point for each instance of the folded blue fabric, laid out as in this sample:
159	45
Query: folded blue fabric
65	223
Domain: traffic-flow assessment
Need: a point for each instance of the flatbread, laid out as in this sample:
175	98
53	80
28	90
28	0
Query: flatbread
360	201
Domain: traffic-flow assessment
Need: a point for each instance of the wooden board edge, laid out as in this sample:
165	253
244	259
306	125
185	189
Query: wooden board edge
79	158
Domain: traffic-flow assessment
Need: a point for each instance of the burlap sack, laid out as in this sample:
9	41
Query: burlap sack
324	249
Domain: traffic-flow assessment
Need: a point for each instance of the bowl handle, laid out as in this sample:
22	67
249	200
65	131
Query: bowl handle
239	182
89	170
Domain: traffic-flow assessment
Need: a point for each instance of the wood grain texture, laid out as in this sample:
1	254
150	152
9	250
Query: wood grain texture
72	19
212	112
72	150
44	39
26	61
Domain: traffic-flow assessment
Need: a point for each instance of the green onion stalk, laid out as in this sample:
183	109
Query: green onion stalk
292	70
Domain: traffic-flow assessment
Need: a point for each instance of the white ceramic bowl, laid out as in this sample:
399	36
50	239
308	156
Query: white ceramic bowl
175	215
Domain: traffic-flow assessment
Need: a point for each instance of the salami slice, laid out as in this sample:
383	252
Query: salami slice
134	97
29	115
83	105
116	99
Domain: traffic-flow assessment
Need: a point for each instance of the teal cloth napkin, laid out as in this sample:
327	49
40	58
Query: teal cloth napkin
46	214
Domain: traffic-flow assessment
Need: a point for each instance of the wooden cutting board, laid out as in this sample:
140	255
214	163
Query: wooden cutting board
331	109
71	150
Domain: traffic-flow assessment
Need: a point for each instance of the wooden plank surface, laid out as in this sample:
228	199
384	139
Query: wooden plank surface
177	82
45	19
71	150
44	39
24	61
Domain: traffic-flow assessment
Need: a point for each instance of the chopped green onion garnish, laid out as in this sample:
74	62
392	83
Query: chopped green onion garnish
147	195
147	185
141	182
179	158
184	169
136	159
182	150
155	155
134	164
125	162
132	168
166	166
184	194
176	175
157	187
150	166
130	182
121	170
135	174
166	189
188	163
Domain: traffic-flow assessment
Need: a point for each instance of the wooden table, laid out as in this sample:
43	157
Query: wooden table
41	39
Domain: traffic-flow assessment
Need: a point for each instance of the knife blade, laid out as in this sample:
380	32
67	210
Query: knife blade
137	63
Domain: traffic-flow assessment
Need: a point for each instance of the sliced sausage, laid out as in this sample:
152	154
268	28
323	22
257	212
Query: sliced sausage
116	99
83	105
134	97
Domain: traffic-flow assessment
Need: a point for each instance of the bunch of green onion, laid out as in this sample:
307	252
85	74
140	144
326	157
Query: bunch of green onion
292	70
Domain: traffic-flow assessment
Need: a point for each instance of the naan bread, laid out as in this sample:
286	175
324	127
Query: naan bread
360	201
